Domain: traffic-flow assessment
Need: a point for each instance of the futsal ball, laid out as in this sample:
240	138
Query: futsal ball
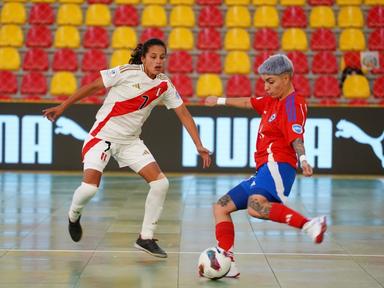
213	264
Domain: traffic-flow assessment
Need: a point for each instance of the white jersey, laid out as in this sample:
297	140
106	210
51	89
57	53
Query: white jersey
130	100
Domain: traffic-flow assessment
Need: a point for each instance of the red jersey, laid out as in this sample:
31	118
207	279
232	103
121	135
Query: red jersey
282	121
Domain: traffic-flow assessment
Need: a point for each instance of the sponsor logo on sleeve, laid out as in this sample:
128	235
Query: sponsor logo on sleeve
298	129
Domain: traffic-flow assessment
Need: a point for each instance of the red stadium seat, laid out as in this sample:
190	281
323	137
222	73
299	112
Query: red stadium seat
36	59
323	39
41	13
33	85
209	62
209	2
209	39
352	59
88	78
375	17
376	39
183	84
259	88
378	88
210	16
321	2
94	60
149	33
260	58
324	62
299	61
64	60
301	84
294	16
39	36
96	37
238	86
180	62
8	82
126	15
266	39
380	70
326	87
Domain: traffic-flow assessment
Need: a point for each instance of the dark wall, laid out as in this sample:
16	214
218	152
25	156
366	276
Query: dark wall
340	140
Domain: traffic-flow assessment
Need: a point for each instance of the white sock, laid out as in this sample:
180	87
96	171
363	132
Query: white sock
81	197
154	206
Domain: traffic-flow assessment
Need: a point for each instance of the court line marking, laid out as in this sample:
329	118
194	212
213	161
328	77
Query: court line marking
193	252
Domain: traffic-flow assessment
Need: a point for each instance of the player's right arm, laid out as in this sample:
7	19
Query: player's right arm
241	102
87	90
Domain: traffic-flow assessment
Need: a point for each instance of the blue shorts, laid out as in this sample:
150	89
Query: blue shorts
273	180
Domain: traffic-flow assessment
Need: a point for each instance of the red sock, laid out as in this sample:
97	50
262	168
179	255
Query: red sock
225	235
282	214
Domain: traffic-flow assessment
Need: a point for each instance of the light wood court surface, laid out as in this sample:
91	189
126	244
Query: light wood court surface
36	250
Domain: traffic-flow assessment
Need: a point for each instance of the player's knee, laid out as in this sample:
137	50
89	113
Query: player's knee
258	207
160	185
88	189
219	210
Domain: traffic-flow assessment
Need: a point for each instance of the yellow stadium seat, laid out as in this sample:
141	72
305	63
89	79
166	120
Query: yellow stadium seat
69	14
209	85
132	2
322	16
236	2
154	16
237	39
13	13
237	62
348	2
292	2
124	37
182	16
11	35
67	37
42	1
266	16
71	1
63	83
154	2
351	39
350	16
15	1
264	2
9	59
238	16
120	57
182	2
180	39
294	39
98	15
374	2
356	86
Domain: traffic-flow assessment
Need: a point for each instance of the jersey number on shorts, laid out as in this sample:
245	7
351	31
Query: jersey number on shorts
145	101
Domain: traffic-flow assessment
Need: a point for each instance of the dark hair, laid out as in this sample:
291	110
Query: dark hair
349	71
142	49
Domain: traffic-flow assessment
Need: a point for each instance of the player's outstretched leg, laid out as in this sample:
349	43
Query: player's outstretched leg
315	228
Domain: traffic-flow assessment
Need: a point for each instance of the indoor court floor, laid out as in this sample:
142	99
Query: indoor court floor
36	250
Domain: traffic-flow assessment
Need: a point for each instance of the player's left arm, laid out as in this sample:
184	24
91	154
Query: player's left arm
298	145
189	124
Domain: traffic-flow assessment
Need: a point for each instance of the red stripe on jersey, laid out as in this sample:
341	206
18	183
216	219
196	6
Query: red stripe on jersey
131	105
88	146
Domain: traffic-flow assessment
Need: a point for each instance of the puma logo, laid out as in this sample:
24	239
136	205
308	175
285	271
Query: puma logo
288	218
67	126
348	129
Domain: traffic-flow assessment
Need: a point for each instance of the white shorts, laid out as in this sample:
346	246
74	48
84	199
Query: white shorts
96	154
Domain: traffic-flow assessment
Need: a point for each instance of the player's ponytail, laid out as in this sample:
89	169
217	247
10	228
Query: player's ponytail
142	49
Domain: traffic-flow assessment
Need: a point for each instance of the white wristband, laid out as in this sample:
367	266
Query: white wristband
221	101
302	158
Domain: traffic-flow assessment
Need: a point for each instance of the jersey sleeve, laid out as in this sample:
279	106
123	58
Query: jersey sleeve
258	104
172	98
111	77
295	116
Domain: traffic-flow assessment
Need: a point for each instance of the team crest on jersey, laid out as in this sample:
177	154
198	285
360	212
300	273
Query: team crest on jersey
273	117
298	129
113	72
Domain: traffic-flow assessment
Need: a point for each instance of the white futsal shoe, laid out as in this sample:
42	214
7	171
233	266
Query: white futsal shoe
315	228
233	271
